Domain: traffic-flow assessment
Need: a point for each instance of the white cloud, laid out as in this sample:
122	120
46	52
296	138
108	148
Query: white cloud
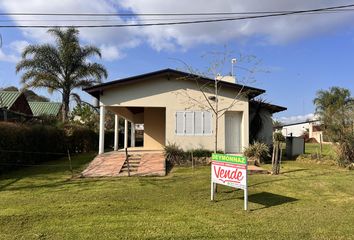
116	39
110	53
276	30
8	57
12	51
18	46
297	119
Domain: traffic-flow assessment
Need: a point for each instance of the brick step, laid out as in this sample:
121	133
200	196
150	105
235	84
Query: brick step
131	169
125	174
131	164
133	161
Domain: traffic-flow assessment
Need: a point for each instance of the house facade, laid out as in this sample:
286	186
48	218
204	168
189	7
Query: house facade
172	109
313	128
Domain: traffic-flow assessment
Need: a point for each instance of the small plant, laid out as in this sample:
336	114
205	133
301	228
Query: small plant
259	152
278	137
200	152
174	154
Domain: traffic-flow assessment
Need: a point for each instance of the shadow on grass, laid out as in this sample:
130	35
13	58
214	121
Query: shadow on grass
296	170
269	199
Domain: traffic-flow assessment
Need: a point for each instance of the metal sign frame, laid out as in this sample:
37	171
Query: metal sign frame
231	171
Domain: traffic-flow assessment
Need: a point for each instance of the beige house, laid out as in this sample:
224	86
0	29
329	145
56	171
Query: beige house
172	109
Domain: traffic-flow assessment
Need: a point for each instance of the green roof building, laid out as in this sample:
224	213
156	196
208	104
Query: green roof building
14	106
45	108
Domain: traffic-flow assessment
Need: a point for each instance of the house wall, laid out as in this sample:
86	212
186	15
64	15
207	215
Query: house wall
154	130
265	135
177	95
296	130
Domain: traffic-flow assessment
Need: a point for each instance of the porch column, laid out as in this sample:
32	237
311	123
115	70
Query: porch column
116	131
125	133
132	135
101	134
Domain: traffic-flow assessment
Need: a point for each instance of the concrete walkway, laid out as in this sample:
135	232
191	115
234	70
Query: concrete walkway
105	165
110	164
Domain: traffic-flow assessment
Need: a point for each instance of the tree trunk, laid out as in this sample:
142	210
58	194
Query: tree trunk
65	106
216	115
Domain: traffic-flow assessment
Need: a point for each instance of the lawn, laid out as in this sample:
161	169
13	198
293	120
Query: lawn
314	148
304	202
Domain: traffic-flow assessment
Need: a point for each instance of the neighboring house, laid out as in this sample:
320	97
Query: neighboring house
313	127
45	108
167	103
14	106
261	121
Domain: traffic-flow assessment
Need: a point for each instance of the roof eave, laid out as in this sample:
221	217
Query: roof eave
97	90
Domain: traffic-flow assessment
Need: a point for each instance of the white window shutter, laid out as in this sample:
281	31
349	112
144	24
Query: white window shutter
180	123
198	123
189	123
207	123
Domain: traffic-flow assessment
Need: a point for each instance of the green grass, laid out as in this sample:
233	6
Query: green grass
304	202
314	148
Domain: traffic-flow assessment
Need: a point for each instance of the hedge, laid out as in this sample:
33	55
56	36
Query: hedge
22	145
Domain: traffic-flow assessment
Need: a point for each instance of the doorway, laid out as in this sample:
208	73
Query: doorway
233	122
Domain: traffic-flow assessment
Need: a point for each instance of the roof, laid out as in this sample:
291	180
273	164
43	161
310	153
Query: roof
298	123
45	108
8	98
271	107
97	89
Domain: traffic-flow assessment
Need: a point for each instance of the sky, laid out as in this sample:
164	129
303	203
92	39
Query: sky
300	54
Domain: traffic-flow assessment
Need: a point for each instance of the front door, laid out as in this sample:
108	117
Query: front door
233	132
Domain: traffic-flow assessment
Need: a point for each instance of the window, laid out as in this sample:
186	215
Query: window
193	123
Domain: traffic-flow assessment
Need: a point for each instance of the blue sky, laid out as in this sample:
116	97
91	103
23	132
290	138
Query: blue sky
302	53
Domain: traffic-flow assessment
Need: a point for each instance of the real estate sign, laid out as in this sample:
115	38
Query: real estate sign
229	170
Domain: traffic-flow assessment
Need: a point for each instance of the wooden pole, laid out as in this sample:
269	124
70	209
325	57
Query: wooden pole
70	165
321	144
127	160
192	160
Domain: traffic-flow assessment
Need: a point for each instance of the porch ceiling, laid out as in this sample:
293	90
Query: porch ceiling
136	110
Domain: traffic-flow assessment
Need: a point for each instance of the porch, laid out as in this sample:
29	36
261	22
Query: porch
139	163
151	121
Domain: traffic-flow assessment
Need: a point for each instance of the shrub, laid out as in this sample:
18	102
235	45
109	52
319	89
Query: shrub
80	139
200	152
25	145
174	154
257	151
22	144
345	151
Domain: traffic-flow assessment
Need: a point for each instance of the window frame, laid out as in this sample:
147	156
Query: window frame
193	125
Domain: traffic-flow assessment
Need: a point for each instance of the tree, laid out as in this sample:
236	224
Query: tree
335	108
62	67
86	115
30	95
210	92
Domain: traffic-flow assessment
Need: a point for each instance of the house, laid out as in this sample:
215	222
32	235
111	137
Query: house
311	127
172	109
14	106
45	108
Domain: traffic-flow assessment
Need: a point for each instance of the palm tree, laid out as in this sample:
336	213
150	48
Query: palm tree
334	108
61	67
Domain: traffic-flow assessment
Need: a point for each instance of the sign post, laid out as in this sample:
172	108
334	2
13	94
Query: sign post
231	171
